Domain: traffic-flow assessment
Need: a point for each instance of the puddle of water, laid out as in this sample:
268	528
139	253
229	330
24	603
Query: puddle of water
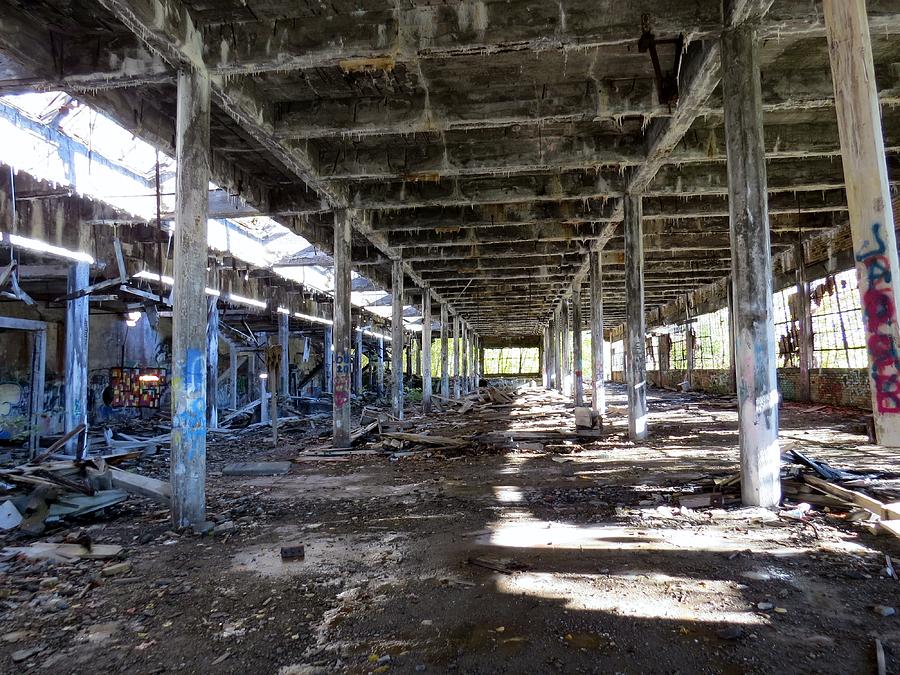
482	637
585	641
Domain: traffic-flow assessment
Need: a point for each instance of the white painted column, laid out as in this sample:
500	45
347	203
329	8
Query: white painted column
578	373
598	394
635	350
357	361
560	353
464	358
751	266
566	346
732	344
397	335
284	339
445	356
555	365
545	358
264	409
212	362
473	368
869	205
380	373
343	325
456	365
188	388
426	350
690	351
77	330
232	375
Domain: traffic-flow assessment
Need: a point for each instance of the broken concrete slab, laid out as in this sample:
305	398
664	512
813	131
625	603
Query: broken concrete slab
9	515
256	469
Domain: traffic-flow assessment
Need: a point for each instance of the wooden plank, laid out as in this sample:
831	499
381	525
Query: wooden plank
141	485
858	498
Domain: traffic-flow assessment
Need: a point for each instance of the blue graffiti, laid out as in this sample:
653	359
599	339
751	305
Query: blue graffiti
189	418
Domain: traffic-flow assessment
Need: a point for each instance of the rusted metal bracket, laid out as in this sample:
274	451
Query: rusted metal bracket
666	82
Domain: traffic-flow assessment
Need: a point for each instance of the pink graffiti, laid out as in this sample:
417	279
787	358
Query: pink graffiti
880	315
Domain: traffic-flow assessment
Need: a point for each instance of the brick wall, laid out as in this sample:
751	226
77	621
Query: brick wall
842	387
831	386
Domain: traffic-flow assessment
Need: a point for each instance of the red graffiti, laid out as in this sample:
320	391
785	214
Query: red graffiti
880	315
341	379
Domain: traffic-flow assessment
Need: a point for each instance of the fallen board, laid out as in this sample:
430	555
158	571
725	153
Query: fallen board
257	469
72	505
142	485
65	552
424	439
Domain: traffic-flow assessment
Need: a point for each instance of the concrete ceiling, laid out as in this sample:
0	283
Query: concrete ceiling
486	143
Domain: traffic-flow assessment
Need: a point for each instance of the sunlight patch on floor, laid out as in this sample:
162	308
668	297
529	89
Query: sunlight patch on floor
657	597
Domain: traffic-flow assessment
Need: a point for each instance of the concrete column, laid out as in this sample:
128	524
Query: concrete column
328	359
357	361
804	323
188	391
545	358
635	351
397	339
251	374
284	372
456	364
473	367
464	359
689	353
264	410
598	394
212	362
560	352
663	348
751	267
869	205
556	356
273	368
732	345
426	350
380	375
343	325
36	403
77	328
566	344
578	372
410	347
232	376
480	360
445	356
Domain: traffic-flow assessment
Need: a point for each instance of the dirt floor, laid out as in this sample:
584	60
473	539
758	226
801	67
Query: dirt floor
524	561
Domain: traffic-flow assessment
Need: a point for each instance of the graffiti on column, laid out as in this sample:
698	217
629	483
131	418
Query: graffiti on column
880	315
341	378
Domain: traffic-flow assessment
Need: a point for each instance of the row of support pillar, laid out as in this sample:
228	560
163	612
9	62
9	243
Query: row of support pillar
874	241
754	346
561	373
